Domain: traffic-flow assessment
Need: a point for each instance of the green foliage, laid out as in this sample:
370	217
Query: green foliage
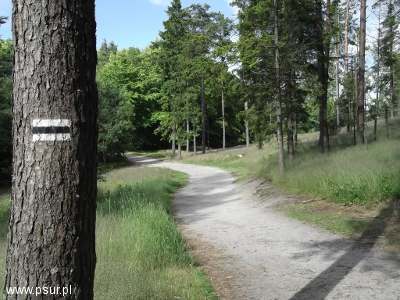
5	108
141	253
129	89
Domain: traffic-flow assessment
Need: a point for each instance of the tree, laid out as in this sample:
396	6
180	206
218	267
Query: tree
361	73
52	220
388	53
171	47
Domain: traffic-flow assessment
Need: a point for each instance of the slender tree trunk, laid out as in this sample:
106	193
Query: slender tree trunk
281	161
392	93
223	117
378	75
204	117
194	142
337	84
246	123
180	150
173	140
387	121
346	36
290	137
354	108
346	59
323	73
187	136
361	74
295	133
52	220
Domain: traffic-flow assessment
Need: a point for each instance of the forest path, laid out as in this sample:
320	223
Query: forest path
253	252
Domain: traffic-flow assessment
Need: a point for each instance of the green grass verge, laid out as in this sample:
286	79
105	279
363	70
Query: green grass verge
333	221
362	175
140	252
4	213
242	162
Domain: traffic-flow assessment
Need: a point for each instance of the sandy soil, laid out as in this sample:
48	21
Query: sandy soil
252	251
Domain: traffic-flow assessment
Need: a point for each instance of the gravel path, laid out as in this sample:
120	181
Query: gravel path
254	252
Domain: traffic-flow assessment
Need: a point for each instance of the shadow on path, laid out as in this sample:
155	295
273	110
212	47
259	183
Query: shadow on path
325	282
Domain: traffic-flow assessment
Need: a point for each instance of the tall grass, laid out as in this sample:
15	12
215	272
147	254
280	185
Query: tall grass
141	254
4	212
356	175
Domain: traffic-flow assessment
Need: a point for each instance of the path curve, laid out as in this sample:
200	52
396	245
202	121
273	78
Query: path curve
262	254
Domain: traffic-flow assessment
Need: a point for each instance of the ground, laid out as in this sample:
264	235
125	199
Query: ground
252	251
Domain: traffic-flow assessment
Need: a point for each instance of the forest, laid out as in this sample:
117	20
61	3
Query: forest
272	139
281	69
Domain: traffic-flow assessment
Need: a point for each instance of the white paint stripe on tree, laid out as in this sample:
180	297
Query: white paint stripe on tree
51	123
59	137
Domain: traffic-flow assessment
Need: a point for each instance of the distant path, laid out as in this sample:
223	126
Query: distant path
253	252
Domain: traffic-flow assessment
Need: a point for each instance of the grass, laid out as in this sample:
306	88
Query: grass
157	154
4	212
335	220
356	175
242	162
140	252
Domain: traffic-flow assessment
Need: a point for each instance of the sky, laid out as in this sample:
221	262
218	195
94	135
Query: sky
129	23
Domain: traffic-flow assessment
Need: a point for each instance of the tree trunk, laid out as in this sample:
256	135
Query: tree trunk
204	117
361	74
180	150
387	121
173	140
378	75
187	136
346	59
279	133
223	117
52	220
323	73
246	123
290	137
337	85
194	143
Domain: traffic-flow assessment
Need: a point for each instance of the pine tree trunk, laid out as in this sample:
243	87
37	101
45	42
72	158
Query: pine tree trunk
223	117
194	144
290	137
187	136
337	85
173	147
323	73
346	59
361	74
279	133
52	221
246	123
204	117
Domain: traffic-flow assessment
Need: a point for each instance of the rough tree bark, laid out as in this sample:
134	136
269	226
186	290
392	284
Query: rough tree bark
52	220
346	59
361	74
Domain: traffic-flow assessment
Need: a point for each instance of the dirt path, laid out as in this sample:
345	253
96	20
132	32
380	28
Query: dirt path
254	252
